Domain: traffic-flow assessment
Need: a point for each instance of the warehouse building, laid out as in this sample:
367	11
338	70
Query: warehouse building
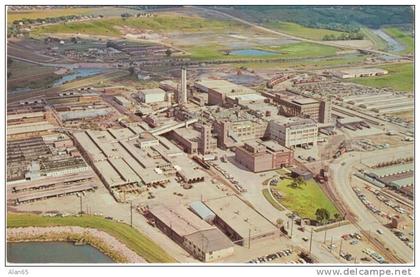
359	72
260	156
203	241
152	95
122	101
225	93
241	223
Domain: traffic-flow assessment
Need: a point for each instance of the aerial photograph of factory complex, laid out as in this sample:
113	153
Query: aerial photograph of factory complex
252	135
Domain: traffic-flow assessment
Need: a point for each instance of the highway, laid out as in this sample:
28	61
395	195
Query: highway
341	178
267	30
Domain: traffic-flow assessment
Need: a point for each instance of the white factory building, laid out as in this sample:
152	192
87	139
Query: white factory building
152	95
294	131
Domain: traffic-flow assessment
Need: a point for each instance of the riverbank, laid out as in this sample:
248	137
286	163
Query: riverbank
130	237
104	242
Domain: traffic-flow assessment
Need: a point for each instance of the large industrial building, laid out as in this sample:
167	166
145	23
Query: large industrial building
225	93
239	222
196	139
152	95
262	156
205	242
304	107
294	131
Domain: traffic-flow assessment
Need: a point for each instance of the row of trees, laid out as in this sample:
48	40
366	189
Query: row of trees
344	36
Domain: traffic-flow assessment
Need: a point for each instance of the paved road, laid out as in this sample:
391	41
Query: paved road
341	178
267	30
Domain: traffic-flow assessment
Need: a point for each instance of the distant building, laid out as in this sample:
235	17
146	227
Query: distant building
263	156
122	101
359	72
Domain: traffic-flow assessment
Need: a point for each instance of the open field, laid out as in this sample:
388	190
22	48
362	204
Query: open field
400	77
304	200
135	240
337	61
44	13
402	37
301	31
159	23
28	75
304	49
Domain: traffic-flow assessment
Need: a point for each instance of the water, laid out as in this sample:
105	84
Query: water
54	252
79	73
252	52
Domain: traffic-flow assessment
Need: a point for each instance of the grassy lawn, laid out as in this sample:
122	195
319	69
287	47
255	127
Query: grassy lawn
400	77
159	23
135	240
303	49
402	37
270	199
301	31
304	200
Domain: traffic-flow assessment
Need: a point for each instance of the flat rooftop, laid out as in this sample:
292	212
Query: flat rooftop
151	91
304	101
240	217
181	220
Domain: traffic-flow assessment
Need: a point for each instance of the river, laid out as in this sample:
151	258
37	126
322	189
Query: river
54	252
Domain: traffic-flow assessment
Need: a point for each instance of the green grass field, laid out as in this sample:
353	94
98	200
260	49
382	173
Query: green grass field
400	77
270	199
292	50
303	49
301	31
159	23
402	37
305	200
135	240
44	13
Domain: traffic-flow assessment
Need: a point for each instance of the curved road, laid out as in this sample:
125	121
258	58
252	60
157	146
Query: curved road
341	178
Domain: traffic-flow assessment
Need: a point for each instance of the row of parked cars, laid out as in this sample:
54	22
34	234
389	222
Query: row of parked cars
271	257
376	256
229	177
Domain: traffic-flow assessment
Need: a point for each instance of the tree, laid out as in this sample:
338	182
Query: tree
279	222
322	215
337	216
297	183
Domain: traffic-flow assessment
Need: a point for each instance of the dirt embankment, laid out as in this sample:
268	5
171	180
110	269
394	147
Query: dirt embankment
106	243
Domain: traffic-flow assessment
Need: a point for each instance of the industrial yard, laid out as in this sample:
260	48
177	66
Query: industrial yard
214	155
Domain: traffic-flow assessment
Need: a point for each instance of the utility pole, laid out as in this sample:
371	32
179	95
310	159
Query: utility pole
131	213
291	229
341	245
325	236
249	238
331	244
81	205
310	242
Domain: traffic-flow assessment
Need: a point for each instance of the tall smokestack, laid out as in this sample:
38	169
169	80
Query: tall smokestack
182	94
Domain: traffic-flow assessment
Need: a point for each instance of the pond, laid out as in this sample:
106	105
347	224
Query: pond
54	252
252	52
79	73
